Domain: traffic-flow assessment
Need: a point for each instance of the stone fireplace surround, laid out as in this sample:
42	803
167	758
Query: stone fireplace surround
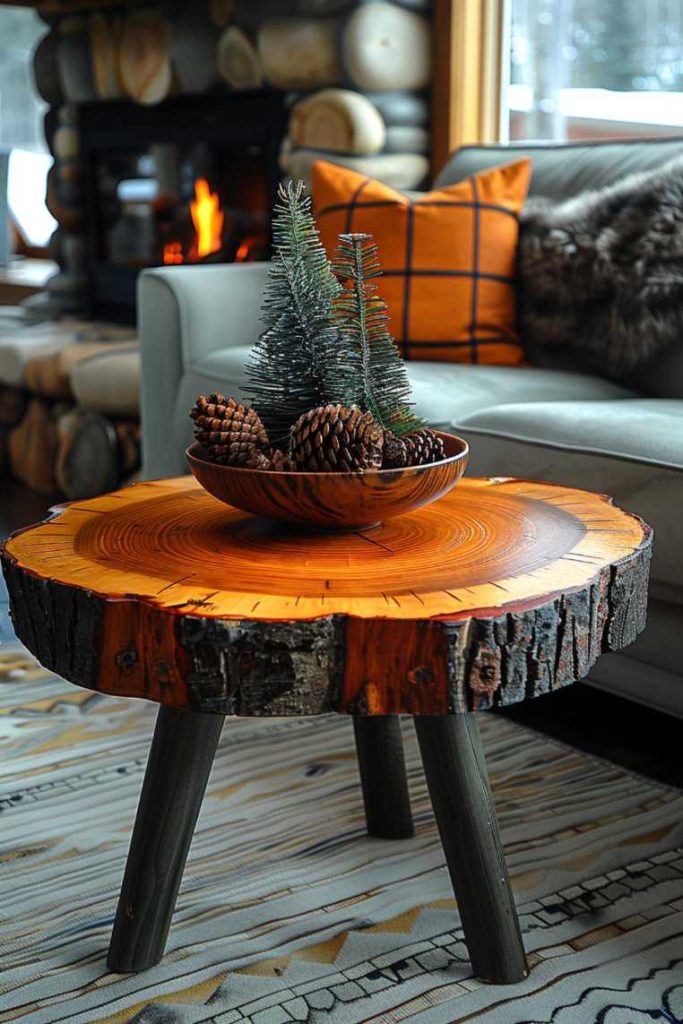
354	77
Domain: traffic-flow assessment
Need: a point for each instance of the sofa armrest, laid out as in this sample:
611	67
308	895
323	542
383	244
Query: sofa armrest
184	314
211	307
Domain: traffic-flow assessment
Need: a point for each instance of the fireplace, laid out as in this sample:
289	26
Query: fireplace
191	180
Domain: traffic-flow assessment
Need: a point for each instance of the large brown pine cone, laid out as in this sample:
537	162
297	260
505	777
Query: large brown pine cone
333	438
424	446
231	433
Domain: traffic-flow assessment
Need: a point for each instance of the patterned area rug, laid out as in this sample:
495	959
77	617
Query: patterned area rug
288	912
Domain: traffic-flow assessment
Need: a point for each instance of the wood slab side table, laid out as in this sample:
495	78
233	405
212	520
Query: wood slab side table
500	591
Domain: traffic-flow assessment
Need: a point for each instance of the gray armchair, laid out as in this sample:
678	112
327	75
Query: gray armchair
197	325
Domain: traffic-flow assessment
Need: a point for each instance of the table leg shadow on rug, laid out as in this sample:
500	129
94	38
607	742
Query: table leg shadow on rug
289	912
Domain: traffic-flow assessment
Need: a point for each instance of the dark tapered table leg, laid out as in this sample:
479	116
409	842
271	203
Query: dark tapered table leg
178	769
463	806
379	746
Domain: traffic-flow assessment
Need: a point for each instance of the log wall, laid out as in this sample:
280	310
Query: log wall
356	75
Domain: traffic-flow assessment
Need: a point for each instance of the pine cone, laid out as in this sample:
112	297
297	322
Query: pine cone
423	447
395	454
333	438
258	459
244	456
232	434
281	462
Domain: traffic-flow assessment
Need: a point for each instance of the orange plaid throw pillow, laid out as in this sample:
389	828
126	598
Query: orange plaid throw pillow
448	257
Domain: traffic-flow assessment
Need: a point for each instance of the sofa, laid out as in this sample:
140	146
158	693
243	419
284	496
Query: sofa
197	325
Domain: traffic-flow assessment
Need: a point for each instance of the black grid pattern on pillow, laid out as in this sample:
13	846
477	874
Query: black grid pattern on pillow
409	273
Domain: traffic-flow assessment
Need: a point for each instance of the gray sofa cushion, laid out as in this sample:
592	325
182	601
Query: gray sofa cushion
444	392
632	450
560	171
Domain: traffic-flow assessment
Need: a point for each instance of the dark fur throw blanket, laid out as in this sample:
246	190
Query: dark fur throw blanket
601	275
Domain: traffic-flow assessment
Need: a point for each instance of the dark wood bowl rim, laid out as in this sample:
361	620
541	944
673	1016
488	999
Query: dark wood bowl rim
191	455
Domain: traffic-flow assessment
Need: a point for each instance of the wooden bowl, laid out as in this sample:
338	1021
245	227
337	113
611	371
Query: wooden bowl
336	501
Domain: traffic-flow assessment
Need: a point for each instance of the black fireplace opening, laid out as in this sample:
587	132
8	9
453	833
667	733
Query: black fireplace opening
192	180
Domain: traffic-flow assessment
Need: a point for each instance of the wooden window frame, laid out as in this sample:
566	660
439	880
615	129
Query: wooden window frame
470	38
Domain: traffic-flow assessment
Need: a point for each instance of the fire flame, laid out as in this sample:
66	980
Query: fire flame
173	253
207	218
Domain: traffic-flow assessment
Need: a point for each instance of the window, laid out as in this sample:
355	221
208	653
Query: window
582	69
21	124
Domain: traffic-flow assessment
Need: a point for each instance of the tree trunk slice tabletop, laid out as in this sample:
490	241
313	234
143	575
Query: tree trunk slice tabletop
501	590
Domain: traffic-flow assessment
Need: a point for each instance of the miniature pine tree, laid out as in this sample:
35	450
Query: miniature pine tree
381	382
298	361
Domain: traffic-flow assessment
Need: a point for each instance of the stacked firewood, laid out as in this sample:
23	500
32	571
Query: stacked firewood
57	448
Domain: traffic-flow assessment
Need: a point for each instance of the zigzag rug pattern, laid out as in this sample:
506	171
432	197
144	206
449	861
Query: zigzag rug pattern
289	912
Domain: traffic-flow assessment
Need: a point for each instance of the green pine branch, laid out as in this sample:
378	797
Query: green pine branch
377	378
298	362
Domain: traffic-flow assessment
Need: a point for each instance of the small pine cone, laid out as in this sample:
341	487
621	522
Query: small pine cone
241	454
231	433
395	454
423	447
281	462
258	459
333	438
